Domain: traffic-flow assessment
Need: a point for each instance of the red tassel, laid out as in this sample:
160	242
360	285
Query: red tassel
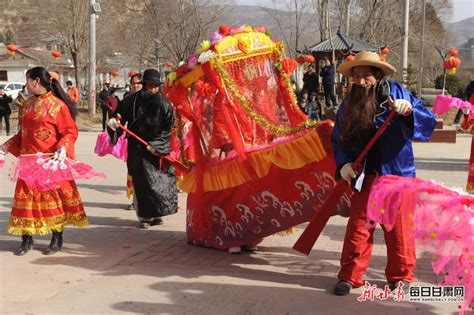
234	132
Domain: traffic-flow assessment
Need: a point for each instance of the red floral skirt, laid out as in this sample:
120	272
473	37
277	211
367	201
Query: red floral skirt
42	212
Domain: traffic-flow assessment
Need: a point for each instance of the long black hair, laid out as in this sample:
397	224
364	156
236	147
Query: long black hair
51	84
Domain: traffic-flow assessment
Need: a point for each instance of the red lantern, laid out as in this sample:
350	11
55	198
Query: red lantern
451	64
288	65
382	58
56	54
385	51
169	64
349	58
453	52
131	73
301	60
12	49
309	58
115	73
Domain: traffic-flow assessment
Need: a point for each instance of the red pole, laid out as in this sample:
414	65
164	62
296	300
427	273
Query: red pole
310	235
177	164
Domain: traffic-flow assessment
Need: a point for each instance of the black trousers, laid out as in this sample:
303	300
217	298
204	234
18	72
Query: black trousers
458	117
104	117
329	95
5	115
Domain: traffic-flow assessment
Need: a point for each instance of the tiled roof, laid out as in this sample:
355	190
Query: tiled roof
342	42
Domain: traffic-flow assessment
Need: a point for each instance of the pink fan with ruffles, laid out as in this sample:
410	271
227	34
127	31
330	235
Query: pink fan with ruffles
41	172
442	220
443	103
103	146
120	149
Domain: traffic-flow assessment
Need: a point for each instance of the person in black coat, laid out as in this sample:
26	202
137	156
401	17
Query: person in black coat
310	80
150	116
327	75
103	95
5	109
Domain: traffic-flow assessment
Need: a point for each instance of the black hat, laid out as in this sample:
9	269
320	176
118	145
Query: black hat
152	76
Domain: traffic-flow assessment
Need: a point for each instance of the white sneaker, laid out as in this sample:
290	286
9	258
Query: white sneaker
235	250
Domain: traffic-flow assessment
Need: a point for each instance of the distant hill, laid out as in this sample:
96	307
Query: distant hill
462	30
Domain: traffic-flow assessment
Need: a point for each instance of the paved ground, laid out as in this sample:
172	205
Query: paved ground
113	267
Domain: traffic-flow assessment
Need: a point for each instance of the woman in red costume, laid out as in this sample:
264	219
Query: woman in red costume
46	126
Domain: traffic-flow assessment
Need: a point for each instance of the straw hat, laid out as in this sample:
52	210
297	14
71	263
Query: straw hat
366	58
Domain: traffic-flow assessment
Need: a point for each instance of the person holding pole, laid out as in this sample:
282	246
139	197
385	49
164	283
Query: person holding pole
369	103
150	118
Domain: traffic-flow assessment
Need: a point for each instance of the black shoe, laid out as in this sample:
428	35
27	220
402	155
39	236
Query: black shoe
342	288
402	283
144	225
157	221
56	243
131	206
26	245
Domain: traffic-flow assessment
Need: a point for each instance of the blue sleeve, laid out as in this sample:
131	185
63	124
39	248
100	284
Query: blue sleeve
340	155
420	124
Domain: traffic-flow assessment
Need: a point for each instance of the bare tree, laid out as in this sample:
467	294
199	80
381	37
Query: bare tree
70	19
295	20
180	25
322	9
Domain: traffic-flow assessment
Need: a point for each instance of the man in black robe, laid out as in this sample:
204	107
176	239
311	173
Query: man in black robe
150	116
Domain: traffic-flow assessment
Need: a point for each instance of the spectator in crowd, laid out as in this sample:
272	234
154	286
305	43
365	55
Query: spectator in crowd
20	99
303	100
135	84
101	100
72	91
111	102
310	80
314	109
5	109
327	75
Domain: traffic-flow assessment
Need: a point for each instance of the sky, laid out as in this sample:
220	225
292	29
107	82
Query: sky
462	9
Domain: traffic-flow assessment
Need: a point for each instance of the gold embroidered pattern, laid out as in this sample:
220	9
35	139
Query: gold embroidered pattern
43	134
54	107
30	226
38	108
46	102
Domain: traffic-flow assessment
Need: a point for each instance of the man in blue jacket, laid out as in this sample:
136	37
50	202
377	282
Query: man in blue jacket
361	113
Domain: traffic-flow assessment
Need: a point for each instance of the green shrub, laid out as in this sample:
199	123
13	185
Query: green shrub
454	84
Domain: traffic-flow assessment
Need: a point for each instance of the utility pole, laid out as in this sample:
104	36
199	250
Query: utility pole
348	16
420	74
94	9
406	15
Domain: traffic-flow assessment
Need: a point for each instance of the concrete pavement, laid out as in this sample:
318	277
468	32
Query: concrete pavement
112	267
